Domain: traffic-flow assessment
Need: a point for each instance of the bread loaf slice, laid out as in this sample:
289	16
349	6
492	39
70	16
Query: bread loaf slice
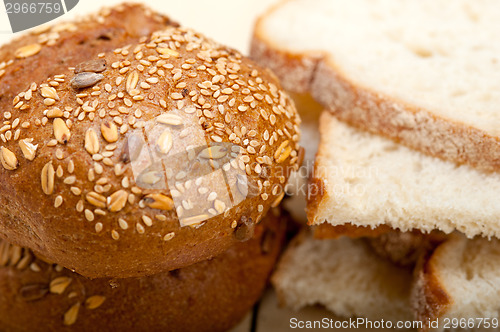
368	180
420	72
345	276
460	279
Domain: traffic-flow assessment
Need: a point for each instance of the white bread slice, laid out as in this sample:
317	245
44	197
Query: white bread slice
368	180
343	275
461	279
422	72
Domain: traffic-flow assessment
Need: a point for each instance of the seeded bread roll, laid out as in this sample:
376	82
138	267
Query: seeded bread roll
212	295
146	159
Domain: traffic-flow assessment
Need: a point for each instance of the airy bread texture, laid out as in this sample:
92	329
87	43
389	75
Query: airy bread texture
460	279
368	180
207	296
345	276
152	157
421	72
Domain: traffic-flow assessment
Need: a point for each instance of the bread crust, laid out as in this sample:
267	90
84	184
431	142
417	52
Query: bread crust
207	296
363	108
428	295
79	203
326	231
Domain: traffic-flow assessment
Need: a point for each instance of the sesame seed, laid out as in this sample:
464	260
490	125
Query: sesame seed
140	229
147	221
89	215
115	235
169	236
58	201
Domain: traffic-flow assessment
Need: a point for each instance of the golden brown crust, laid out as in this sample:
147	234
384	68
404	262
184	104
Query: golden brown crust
122	156
212	295
65	44
374	112
294	70
428	295
316	190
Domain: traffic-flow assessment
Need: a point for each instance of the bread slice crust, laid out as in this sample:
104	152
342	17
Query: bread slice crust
418	128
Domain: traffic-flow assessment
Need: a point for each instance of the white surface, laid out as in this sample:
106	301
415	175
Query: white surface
228	22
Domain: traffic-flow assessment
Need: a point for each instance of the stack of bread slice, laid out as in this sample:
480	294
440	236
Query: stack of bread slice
409	151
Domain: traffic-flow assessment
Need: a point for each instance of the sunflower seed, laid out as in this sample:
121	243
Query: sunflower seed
33	292
72	314
214	152
284	155
169	119
47	177
28	50
159	201
167	51
280	150
85	80
117	201
96	199
151	178
61	131
59	285
92	66
132	80
91	141
109	131
194	220
94	302
49	92
8	159
164	142
54	113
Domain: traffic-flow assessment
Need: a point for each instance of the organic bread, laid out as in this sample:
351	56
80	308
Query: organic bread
208	296
345	276
159	154
367	180
420	72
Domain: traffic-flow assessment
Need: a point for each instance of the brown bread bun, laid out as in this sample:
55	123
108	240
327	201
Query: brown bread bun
110	174
212	295
49	49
